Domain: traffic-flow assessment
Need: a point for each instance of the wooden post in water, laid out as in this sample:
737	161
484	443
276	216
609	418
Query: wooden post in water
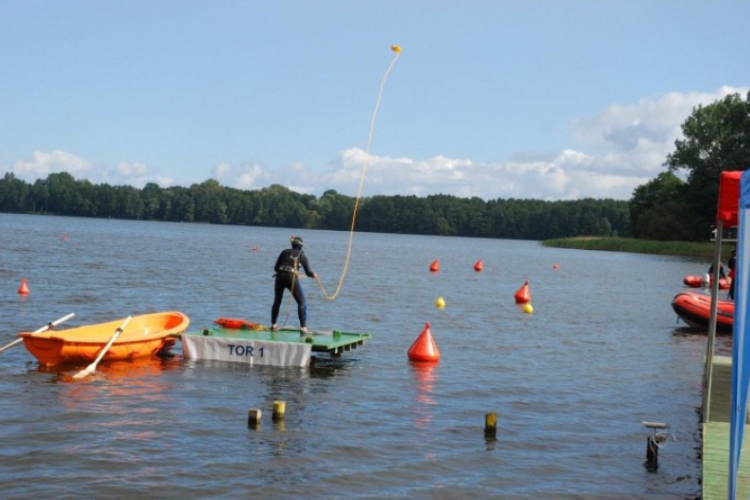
652	445
253	418
652	454
490	426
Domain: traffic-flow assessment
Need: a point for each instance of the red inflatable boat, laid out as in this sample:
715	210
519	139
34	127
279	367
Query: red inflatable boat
695	282
694	309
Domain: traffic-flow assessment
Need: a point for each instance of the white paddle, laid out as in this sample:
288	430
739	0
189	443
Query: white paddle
43	329
92	367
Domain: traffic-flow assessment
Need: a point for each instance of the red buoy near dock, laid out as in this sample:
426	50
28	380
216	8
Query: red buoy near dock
24	288
478	266
435	266
424	348
523	295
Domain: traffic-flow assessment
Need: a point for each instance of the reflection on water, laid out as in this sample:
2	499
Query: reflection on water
425	376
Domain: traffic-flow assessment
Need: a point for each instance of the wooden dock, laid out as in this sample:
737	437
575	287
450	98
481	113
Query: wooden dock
715	462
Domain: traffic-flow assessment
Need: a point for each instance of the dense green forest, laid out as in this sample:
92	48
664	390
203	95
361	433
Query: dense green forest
277	206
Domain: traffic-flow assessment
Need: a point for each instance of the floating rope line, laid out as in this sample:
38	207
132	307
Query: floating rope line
397	50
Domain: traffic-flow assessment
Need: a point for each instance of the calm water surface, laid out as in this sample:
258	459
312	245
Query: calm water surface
571	383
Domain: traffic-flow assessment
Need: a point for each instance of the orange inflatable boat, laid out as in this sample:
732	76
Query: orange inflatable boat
694	309
696	282
145	335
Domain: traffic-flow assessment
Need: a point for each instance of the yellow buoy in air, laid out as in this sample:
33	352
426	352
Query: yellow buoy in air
527	308
440	303
395	48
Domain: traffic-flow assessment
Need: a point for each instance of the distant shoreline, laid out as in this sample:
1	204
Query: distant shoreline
701	250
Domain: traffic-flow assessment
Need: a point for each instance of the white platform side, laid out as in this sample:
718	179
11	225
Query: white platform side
252	352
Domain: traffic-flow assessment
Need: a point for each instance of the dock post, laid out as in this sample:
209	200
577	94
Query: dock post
253	418
652	444
490	426
652	454
279	408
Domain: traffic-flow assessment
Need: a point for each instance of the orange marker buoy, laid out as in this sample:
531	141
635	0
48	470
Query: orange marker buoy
556	266
24	288
478	266
424	348
256	248
435	266
523	295
65	237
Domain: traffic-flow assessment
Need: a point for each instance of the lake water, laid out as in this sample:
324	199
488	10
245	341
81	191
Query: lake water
570	383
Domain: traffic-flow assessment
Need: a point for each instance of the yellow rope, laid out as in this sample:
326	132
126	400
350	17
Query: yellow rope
397	50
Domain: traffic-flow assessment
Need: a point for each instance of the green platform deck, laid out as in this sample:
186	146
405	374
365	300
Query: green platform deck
333	342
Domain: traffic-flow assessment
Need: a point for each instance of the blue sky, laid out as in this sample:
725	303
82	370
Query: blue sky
551	100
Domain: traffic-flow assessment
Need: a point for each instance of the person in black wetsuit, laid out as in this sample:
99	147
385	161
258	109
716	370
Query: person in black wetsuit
732	272
287	277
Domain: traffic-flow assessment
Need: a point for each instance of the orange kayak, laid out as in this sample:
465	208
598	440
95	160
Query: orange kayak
145	335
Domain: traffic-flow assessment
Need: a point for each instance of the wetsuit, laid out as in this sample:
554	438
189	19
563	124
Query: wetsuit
732	272
287	266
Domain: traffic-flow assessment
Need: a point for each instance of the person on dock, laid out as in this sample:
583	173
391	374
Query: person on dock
722	273
287	277
731	265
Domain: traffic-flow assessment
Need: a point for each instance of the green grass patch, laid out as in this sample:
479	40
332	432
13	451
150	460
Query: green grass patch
702	250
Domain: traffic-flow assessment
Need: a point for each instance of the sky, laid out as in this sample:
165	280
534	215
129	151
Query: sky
551	100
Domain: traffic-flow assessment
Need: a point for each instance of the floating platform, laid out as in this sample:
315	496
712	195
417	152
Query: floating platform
286	347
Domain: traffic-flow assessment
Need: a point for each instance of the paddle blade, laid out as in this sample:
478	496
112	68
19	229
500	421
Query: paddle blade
85	372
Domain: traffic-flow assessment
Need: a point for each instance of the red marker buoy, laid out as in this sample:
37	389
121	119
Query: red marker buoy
65	237
523	295
556	266
256	248
24	288
424	348
435	266
478	266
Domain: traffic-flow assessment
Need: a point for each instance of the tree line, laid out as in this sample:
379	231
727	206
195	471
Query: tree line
678	205
278	206
681	202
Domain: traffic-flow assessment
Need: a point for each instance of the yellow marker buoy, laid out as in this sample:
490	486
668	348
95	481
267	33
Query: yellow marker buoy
440	303
528	309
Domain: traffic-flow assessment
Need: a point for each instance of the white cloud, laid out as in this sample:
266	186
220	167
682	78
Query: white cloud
614	151
611	153
41	164
249	176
